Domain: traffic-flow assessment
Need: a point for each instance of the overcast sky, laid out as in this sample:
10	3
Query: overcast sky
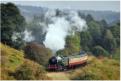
82	5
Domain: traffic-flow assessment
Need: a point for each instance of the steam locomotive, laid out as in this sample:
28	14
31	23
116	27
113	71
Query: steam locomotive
64	63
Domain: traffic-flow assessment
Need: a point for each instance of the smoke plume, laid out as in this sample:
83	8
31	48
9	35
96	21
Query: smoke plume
28	36
62	27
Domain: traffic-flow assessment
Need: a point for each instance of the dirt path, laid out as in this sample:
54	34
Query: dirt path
58	75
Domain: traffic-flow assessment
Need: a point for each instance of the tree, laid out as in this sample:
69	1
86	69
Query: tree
37	53
58	12
81	15
109	41
64	52
103	25
116	33
95	31
85	40
38	30
89	18
72	45
12	25
99	51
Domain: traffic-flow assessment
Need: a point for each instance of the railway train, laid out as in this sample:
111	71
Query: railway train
63	63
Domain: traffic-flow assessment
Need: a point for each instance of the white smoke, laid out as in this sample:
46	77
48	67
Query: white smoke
60	28
15	36
76	22
56	34
28	36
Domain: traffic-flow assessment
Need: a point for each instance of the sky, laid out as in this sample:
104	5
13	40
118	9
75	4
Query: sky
82	5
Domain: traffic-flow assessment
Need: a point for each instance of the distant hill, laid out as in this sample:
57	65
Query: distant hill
111	17
30	11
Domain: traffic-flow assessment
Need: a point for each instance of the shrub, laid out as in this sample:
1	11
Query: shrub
30	71
14	66
6	74
116	54
37	53
10	60
99	51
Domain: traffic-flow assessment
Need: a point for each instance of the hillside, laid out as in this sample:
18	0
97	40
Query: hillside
15	66
110	16
98	67
10	60
13	61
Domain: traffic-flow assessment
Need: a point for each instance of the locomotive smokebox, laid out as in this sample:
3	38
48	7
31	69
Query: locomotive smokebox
53	60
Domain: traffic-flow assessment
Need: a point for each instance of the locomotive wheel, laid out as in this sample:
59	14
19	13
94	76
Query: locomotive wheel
65	69
60	68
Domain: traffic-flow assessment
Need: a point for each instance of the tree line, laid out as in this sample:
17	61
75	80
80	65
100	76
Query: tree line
99	38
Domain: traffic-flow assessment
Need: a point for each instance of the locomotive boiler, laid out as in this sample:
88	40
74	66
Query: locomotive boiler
64	63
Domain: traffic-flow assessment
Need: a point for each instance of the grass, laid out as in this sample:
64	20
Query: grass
98	69
10	57
10	60
116	55
15	67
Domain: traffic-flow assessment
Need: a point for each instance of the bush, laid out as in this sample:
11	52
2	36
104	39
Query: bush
6	74
37	53
14	66
10	60
99	51
30	71
116	54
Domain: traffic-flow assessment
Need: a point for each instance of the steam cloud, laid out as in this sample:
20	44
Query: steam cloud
62	27
28	36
